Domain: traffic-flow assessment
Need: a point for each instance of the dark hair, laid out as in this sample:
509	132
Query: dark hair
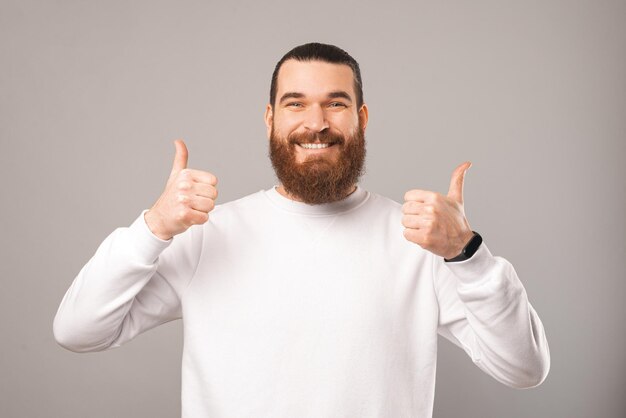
320	52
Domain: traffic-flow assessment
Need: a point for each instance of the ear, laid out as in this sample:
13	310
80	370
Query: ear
269	114
363	116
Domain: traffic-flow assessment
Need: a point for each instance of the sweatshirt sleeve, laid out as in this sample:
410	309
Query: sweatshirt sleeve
132	283
484	309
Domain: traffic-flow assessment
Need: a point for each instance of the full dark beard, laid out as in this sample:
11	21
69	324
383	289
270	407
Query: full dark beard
319	179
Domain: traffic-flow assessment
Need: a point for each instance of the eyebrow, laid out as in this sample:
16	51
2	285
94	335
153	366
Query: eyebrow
340	94
291	95
332	95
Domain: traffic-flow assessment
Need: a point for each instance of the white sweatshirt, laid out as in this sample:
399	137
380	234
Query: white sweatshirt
296	310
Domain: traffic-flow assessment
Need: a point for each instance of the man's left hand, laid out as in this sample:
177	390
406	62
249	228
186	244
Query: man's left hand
436	222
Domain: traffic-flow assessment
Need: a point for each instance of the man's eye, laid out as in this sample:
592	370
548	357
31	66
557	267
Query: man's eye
294	104
337	104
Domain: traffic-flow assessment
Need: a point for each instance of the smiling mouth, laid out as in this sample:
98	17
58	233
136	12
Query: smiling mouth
315	146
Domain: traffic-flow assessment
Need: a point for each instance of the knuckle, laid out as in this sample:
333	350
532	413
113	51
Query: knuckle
211	192
189	217
183	185
411	235
181	215
410	206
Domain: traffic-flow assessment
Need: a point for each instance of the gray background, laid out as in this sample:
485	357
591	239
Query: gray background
534	93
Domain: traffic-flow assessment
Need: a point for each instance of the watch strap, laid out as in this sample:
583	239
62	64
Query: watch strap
470	248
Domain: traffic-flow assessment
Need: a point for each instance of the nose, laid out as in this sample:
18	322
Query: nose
315	119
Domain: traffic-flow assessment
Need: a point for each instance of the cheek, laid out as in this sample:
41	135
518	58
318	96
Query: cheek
347	124
286	123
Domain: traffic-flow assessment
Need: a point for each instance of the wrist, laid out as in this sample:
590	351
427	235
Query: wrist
471	246
155	225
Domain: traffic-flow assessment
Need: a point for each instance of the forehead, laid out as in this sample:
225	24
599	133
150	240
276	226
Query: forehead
314	77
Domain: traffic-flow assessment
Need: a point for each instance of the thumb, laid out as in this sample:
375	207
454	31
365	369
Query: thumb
180	159
456	183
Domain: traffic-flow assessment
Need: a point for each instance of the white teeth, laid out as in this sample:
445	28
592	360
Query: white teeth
314	146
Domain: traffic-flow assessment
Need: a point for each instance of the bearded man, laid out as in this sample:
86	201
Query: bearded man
313	298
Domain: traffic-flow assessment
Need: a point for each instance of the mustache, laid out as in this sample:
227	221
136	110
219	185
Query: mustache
325	137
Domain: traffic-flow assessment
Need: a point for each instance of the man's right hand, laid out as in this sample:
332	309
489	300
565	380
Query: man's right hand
188	198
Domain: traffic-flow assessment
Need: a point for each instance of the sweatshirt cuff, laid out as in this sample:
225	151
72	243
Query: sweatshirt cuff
148	245
473	270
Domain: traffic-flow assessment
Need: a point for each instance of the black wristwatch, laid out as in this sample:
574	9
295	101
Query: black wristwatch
469	249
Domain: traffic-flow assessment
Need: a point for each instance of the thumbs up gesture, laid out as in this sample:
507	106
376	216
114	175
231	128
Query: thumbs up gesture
435	222
188	198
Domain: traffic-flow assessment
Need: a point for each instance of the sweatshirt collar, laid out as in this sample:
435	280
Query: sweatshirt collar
353	200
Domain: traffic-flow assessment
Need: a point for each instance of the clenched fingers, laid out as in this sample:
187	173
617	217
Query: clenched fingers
417	222
200	203
421	195
198	176
412	207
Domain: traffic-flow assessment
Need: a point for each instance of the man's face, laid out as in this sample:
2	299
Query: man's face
316	132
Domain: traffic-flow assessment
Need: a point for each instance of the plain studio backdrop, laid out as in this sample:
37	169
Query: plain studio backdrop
93	94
